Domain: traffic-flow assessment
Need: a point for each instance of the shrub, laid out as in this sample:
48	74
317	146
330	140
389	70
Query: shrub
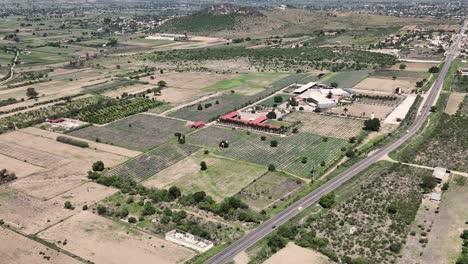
274	143
203	166
328	200
271	167
72	141
68	205
98	166
132	220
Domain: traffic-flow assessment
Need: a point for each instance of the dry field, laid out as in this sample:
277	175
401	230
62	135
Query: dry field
104	241
330	126
453	103
63	169
27	214
132	89
92	144
20	249
363	110
21	168
444	242
385	85
223	178
414	66
299	254
88	193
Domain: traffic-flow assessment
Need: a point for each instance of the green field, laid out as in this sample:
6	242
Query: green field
244	83
287	156
223	178
346	79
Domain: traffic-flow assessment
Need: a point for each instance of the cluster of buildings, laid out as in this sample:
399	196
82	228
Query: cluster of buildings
425	37
188	240
321	95
258	123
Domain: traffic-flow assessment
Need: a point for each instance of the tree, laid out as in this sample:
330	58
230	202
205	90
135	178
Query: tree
372	124
148	209
203	166
274	143
334	84
428	183
329	95
174	192
392	208
278	99
162	84
275	242
433	108
124	212
132	220
98	166
31	92
101	210
200	107
328	200
434	69
271	167
395	247
345	110
68	205
271	115
402	66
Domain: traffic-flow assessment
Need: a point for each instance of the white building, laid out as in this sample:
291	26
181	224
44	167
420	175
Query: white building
440	174
189	240
326	98
173	37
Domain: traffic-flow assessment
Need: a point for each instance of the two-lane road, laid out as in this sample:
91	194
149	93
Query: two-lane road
268	226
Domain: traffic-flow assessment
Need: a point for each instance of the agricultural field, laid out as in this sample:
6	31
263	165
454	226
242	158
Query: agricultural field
453	103
361	224
213	135
247	84
460	84
223	178
62	170
346	79
20	249
319	152
84	232
440	223
152	162
138	132
329	126
385	85
268	189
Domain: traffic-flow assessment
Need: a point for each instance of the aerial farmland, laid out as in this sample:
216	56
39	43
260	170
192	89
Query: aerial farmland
170	132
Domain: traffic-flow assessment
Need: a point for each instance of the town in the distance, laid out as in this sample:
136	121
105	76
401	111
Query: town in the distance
233	132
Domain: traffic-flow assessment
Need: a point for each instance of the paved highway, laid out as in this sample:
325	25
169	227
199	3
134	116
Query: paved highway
268	226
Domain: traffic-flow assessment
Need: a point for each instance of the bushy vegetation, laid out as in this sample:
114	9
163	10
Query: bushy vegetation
72	141
373	219
335	59
6	176
111	110
463	258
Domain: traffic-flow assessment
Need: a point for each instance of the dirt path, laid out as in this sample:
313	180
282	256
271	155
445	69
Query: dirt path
387	158
201	99
12	69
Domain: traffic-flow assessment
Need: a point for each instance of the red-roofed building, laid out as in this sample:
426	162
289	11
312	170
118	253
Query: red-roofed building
55	121
230	115
260	119
198	124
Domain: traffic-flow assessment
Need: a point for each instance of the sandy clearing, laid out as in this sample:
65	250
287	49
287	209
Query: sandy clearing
88	193
92	144
385	85
401	110
357	110
453	103
189	80
414	66
132	89
104	241
241	258
20	249
27	214
176	95
297	255
58	176
20	168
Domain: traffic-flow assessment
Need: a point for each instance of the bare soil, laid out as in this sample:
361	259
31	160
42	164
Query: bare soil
20	249
299	255
386	85
104	241
453	103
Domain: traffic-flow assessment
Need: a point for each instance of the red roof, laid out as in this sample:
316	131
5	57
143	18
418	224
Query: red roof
259	120
230	115
198	124
58	120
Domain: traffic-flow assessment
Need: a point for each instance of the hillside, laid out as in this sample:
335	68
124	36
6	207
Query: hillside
209	20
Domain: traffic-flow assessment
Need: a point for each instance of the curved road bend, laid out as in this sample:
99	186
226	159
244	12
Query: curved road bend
266	228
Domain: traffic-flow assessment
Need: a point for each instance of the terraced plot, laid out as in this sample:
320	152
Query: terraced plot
29	155
138	132
150	163
287	156
213	135
339	127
